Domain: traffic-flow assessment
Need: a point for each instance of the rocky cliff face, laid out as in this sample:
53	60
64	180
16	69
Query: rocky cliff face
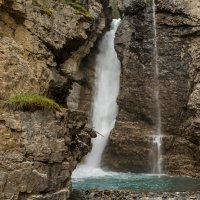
42	44
178	29
39	151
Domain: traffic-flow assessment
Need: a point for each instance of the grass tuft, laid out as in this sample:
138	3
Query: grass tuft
46	11
31	102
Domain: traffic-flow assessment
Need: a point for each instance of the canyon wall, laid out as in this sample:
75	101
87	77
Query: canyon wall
178	41
42	44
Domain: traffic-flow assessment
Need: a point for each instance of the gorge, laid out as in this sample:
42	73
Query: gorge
68	115
177	34
88	175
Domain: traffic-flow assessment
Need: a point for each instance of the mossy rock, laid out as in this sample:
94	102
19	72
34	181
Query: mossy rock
47	11
31	102
81	9
43	9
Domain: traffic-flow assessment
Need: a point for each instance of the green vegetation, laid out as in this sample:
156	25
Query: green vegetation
31	102
43	9
81	9
46	11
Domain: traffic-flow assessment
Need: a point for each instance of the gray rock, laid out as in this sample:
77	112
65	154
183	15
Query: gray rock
178	27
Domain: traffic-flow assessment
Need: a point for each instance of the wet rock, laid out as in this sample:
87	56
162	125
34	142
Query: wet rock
77	195
129	7
130	195
129	147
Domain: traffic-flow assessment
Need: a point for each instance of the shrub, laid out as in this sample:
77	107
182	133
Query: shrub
31	102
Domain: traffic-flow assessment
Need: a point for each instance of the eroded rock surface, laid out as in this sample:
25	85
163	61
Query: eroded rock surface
178	40
42	44
39	151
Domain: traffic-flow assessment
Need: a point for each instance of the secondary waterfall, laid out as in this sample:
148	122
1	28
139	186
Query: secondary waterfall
107	81
157	140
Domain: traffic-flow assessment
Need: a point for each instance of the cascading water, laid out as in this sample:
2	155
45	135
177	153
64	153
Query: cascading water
107	89
89	175
107	81
157	139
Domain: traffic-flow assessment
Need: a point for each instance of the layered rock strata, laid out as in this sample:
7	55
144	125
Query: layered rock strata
39	151
42	44
178	41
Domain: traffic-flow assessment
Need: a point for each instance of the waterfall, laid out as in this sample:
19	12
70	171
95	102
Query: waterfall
107	81
107	76
157	139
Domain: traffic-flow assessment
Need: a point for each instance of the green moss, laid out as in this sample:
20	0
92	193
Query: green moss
43	9
31	102
46	11
81	9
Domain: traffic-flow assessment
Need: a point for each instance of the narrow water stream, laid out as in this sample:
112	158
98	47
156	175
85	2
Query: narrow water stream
157	138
